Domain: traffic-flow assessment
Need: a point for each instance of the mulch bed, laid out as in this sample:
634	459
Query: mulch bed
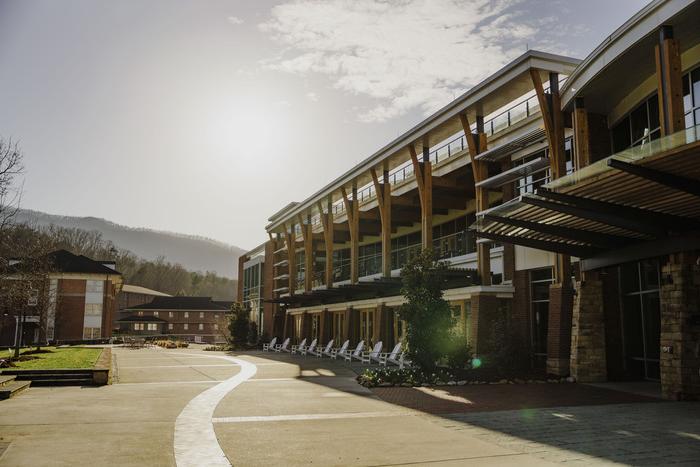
492	397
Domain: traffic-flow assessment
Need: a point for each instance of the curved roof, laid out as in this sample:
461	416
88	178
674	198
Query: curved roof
623	57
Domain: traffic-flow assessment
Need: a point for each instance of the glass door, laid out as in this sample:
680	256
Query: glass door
641	318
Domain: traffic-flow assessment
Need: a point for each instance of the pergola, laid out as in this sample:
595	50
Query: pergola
639	203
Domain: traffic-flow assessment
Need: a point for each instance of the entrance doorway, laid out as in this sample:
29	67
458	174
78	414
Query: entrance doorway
641	318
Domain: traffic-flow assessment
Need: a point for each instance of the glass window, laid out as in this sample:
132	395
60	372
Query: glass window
621	135
170	314
155	313
170	326
201	314
185	326
201	326
216	327
152	326
540	281
639	120
186	314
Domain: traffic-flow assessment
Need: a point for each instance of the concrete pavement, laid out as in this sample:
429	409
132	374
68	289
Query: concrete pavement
302	411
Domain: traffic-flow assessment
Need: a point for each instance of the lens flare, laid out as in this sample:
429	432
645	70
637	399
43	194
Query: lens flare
476	362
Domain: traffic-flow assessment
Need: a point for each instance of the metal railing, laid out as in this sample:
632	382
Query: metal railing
456	244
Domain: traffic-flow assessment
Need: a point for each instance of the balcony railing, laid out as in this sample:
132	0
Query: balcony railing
510	116
369	264
456	244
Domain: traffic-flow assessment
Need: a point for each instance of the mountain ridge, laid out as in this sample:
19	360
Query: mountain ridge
193	252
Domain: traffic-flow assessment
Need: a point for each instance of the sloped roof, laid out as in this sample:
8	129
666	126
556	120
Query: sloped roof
65	261
141	319
128	288
180	303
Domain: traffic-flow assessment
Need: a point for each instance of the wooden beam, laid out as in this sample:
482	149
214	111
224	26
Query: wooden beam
481	194
328	239
290	241
676	182
424	180
352	211
582	145
383	191
308	240
565	249
669	82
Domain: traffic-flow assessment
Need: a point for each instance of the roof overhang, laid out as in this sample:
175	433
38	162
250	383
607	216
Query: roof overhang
509	83
640	203
625	59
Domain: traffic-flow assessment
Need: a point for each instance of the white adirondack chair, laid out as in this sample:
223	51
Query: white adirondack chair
355	353
311	348
326	351
340	351
283	346
392	357
270	346
367	357
300	347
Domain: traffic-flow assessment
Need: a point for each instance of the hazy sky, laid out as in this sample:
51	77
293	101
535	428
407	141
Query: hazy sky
206	117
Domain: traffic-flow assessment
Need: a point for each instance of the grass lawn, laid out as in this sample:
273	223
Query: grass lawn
63	357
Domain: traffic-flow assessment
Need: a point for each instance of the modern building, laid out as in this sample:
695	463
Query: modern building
75	301
133	295
563	193
194	319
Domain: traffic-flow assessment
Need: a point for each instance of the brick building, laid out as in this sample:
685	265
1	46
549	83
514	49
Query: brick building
77	302
563	193
133	295
198	319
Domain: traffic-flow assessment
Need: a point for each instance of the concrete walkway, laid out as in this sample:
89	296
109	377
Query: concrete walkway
301	411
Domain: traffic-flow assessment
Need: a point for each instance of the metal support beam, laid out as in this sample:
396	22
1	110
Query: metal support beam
556	247
595	239
638	225
665	222
677	182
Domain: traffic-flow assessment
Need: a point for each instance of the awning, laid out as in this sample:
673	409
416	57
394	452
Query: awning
505	150
375	288
509	176
642	202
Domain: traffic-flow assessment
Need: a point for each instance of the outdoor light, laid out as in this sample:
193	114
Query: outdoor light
476	362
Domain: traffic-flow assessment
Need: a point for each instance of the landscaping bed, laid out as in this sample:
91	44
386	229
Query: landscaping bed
53	358
410	377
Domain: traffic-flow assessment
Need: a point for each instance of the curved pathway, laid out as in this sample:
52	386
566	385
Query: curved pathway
195	442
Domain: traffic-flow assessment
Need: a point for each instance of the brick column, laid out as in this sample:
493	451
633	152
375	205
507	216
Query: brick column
588	361
559	332
484	308
680	327
377	334
348	325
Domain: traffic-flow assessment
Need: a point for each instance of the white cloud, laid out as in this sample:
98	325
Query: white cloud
235	20
405	55
312	96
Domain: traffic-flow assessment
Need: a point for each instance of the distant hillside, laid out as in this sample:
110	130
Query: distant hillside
192	252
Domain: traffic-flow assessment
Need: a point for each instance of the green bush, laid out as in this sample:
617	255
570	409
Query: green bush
238	327
428	315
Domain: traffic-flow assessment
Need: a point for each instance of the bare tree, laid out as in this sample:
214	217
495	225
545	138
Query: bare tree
10	167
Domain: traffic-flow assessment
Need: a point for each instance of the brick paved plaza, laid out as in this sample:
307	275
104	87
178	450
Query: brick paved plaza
317	414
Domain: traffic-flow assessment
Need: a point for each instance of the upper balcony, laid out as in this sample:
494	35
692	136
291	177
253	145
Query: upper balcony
504	99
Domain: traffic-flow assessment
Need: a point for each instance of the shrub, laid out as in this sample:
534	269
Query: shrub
459	354
238	326
215	348
428	315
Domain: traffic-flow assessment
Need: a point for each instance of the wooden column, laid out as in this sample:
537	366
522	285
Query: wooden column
553	120
290	241
352	209
476	143
308	239
327	222
424	180
670	85
383	191
582	144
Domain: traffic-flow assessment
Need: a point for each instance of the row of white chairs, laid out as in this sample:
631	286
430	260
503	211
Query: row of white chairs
375	356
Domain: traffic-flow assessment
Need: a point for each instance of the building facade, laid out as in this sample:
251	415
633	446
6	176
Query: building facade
193	319
563	193
130	296
76	302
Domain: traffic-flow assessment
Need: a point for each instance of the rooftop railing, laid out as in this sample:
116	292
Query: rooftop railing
455	145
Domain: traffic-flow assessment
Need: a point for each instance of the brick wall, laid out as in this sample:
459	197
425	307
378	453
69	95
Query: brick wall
559	331
70	309
588	359
680	327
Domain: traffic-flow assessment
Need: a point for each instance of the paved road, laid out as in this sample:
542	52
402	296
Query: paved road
301	411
